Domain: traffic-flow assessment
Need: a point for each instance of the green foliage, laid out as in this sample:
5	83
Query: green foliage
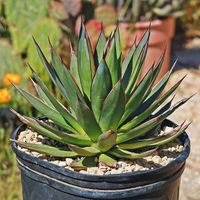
112	113
9	60
49	29
22	16
111	11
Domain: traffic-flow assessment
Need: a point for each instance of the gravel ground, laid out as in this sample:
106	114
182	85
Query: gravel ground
190	186
158	158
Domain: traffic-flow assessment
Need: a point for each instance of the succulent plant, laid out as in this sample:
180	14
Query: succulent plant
135	10
165	8
111	113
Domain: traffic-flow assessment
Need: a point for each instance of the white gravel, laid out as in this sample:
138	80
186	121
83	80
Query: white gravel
160	158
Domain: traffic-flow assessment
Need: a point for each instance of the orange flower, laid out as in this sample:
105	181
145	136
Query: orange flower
5	96
11	77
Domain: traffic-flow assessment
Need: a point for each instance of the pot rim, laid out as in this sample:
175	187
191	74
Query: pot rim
61	170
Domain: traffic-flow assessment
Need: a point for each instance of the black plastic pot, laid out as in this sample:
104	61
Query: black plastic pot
45	181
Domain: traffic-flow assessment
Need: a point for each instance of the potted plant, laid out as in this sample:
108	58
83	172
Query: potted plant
134	18
96	147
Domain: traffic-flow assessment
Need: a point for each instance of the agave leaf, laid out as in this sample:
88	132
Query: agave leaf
86	65
106	141
154	142
145	114
42	95
136	97
33	124
53	133
127	66
59	107
84	151
113	62
155	74
48	150
113	108
87	120
128	59
120	153
44	109
84	163
69	138
74	68
171	137
137	62
52	73
98	54
107	160
118	43
101	86
164	108
148	125
156	91
158	67
66	79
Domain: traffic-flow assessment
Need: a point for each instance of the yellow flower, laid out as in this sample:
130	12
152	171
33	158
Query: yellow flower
11	78
5	96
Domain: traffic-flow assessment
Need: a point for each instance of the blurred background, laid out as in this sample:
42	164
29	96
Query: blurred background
175	25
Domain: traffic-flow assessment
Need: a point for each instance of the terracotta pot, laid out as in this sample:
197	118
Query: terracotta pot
162	32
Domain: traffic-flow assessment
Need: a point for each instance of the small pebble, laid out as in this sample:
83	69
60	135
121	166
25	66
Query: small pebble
161	158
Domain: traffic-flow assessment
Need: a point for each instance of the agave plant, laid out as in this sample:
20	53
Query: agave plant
111	112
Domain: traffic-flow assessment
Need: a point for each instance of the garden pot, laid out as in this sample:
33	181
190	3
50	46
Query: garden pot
43	180
162	32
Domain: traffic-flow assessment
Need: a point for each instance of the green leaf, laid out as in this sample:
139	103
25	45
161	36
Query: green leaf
118	43
59	107
148	125
154	142
120	153
86	65
84	163
106	141
85	151
145	114
127	66
87	120
156	91
164	108
138	131
137	96
107	160
48	150
44	109
113	108
42	95
137	62
101	86
66	79
99	50
68	138
128	60
113	62
52	73
74	68
158	67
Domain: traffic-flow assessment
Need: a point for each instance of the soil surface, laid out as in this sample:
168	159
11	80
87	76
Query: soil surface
158	158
